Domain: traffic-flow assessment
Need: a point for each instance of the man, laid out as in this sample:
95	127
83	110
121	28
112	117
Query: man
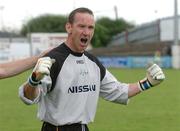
16	67
67	83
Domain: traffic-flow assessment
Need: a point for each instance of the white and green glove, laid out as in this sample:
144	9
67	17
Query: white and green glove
153	77
41	69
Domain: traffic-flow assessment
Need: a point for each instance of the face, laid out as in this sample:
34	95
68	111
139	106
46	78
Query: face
80	32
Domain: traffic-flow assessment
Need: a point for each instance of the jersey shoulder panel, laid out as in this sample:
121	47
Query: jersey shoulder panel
60	54
99	64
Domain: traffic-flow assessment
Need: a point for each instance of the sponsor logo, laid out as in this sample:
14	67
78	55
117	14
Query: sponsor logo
82	88
80	61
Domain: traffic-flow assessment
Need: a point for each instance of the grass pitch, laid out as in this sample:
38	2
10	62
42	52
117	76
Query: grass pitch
157	109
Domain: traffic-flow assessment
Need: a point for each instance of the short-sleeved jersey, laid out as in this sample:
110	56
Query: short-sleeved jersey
70	94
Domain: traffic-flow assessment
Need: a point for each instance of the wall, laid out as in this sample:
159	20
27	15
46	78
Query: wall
157	31
134	61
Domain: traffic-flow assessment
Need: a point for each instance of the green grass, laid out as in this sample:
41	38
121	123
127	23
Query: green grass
157	109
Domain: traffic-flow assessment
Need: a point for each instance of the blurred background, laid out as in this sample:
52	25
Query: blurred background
128	34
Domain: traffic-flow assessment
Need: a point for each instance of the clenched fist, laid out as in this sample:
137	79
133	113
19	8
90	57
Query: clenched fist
41	69
153	77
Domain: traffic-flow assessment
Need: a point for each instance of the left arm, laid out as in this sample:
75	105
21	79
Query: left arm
153	77
113	90
133	90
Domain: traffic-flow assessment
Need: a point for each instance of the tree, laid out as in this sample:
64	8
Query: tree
45	23
106	28
114	26
101	36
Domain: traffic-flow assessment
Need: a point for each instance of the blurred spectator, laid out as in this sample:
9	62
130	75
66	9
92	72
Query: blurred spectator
157	57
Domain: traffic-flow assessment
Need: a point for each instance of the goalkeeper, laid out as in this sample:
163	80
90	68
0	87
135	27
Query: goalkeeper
67	83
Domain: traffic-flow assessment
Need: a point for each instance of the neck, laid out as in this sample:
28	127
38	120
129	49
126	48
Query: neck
70	45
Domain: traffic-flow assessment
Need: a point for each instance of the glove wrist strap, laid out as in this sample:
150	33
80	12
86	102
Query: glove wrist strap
144	84
32	81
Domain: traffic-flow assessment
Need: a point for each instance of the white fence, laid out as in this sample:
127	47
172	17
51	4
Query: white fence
16	48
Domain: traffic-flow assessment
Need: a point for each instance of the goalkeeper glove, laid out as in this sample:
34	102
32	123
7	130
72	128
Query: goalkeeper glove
41	69
153	77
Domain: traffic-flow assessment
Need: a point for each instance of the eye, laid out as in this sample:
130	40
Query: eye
82	26
91	27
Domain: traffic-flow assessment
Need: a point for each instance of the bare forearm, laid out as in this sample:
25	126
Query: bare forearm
41	69
16	67
133	90
30	92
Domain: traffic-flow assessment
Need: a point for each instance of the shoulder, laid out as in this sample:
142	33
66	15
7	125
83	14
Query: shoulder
98	63
91	57
59	52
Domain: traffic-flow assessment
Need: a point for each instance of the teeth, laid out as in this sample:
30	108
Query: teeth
83	40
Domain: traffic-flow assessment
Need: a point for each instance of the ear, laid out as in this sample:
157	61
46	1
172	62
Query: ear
68	28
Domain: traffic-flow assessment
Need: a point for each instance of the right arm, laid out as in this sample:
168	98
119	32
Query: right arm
30	90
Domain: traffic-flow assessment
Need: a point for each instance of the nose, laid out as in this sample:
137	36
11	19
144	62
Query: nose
86	31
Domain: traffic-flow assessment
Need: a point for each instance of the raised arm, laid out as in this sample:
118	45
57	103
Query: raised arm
153	77
41	69
18	66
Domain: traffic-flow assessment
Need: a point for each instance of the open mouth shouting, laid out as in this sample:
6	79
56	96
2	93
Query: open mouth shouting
84	41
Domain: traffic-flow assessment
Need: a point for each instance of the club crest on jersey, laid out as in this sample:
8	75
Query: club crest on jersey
82	88
83	72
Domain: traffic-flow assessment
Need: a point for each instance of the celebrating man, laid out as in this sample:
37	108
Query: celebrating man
67	83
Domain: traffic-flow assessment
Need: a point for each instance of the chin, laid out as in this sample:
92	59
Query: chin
82	49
